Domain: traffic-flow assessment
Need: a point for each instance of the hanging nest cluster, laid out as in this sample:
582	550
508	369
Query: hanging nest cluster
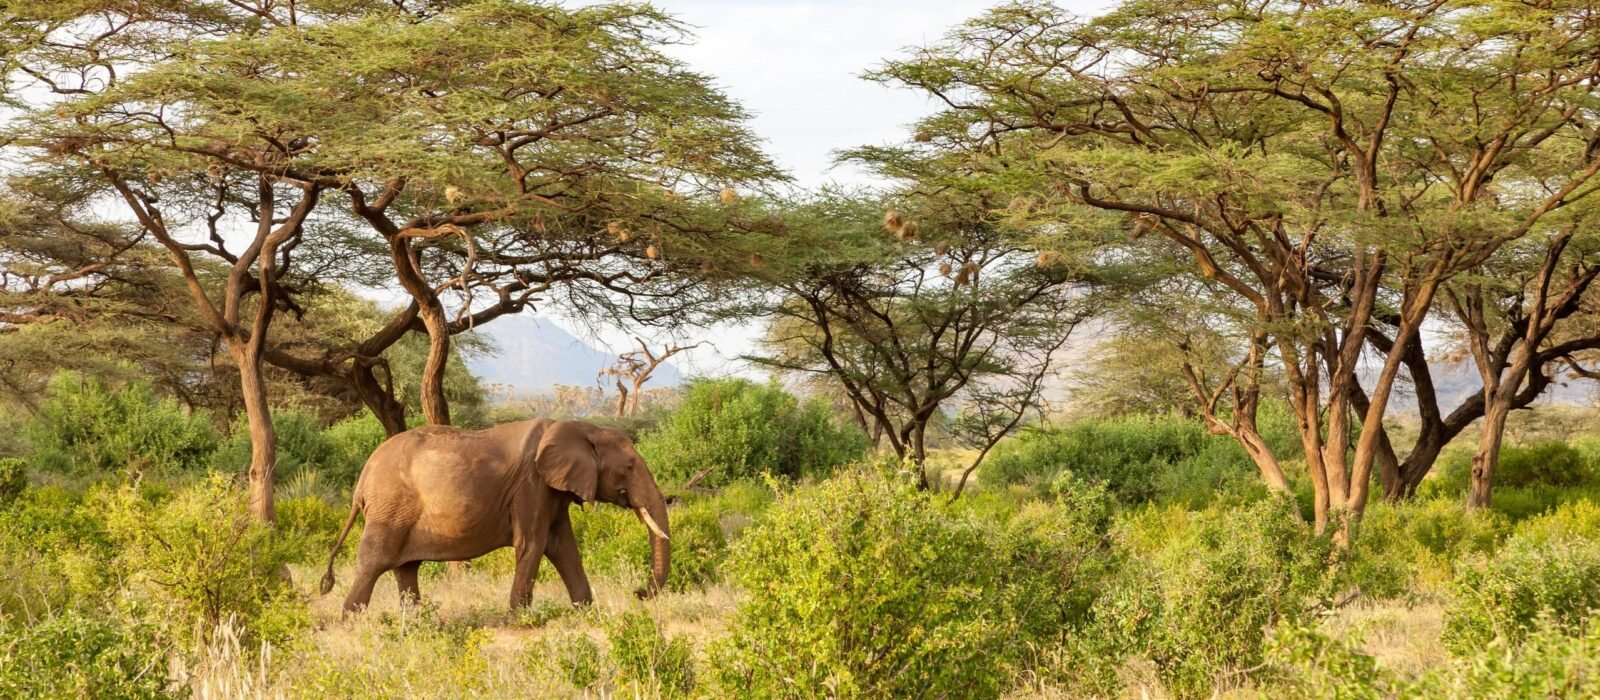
621	232
899	227
967	274
1048	259
728	195
1141	225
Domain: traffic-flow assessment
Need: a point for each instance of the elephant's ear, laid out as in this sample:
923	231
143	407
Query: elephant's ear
566	459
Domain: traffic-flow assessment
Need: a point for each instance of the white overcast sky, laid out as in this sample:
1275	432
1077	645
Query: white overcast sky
796	66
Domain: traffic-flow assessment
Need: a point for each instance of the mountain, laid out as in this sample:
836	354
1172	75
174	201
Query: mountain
531	355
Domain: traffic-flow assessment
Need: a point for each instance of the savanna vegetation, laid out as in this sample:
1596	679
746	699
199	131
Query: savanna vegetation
1130	381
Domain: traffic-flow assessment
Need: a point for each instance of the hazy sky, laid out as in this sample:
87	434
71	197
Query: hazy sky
797	67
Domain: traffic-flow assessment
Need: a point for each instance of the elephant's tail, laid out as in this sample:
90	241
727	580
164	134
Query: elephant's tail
355	509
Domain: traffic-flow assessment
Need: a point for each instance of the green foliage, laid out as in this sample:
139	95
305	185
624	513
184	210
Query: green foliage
739	429
351	441
1544	464
698	546
1140	458
1578	519
199	558
1504	596
862	586
1552	661
13	479
84	427
72	655
579	660
1413	547
654	664
1310	665
1199	588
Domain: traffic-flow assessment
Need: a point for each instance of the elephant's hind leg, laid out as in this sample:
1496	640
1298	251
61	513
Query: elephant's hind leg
379	552
406	576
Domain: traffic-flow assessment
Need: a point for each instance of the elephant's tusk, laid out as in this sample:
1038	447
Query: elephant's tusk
651	523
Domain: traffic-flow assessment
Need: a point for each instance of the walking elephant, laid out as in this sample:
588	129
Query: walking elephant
445	494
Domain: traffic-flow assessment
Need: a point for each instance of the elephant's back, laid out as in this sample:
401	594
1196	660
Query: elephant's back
444	476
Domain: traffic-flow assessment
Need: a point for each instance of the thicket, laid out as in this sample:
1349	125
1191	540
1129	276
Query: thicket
738	429
1140	458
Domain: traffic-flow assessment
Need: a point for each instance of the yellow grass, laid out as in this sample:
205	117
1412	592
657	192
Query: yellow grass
390	651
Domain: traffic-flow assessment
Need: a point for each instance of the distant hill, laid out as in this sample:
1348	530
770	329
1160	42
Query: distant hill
532	354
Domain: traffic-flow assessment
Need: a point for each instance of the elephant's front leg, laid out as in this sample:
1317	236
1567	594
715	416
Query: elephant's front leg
530	535
563	552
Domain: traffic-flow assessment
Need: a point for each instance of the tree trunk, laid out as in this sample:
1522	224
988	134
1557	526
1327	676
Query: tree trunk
263	436
622	400
919	455
1488	455
1256	446
435	407
378	399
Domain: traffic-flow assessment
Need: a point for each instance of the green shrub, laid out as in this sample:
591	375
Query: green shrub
1412	548
861	586
13	479
578	659
1553	661
307	525
739	429
351	442
1197	605
199	557
698	546
302	446
648	660
86	428
1531	577
1139	458
77	656
1577	519
1541	464
1309	665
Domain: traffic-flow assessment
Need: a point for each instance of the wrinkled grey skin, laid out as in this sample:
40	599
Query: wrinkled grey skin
444	494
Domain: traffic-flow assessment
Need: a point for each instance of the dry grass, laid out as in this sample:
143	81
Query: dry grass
463	641
1403	638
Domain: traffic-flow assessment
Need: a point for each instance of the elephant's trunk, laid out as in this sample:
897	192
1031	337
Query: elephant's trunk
651	508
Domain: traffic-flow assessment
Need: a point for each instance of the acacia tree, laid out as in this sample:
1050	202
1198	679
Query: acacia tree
633	369
914	311
1509	313
528	146
1321	164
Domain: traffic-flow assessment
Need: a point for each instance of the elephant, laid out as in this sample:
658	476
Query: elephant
439	493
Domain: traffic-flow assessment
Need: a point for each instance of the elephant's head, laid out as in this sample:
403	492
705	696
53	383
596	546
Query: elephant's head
600	464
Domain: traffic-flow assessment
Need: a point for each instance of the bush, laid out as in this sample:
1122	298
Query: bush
578	660
13	479
1414	547
1553	661
302	447
86	428
1139	458
862	586
1197	605
1540	464
1309	665
654	664
1577	519
1532	577
75	656
351	441
200	557
739	429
